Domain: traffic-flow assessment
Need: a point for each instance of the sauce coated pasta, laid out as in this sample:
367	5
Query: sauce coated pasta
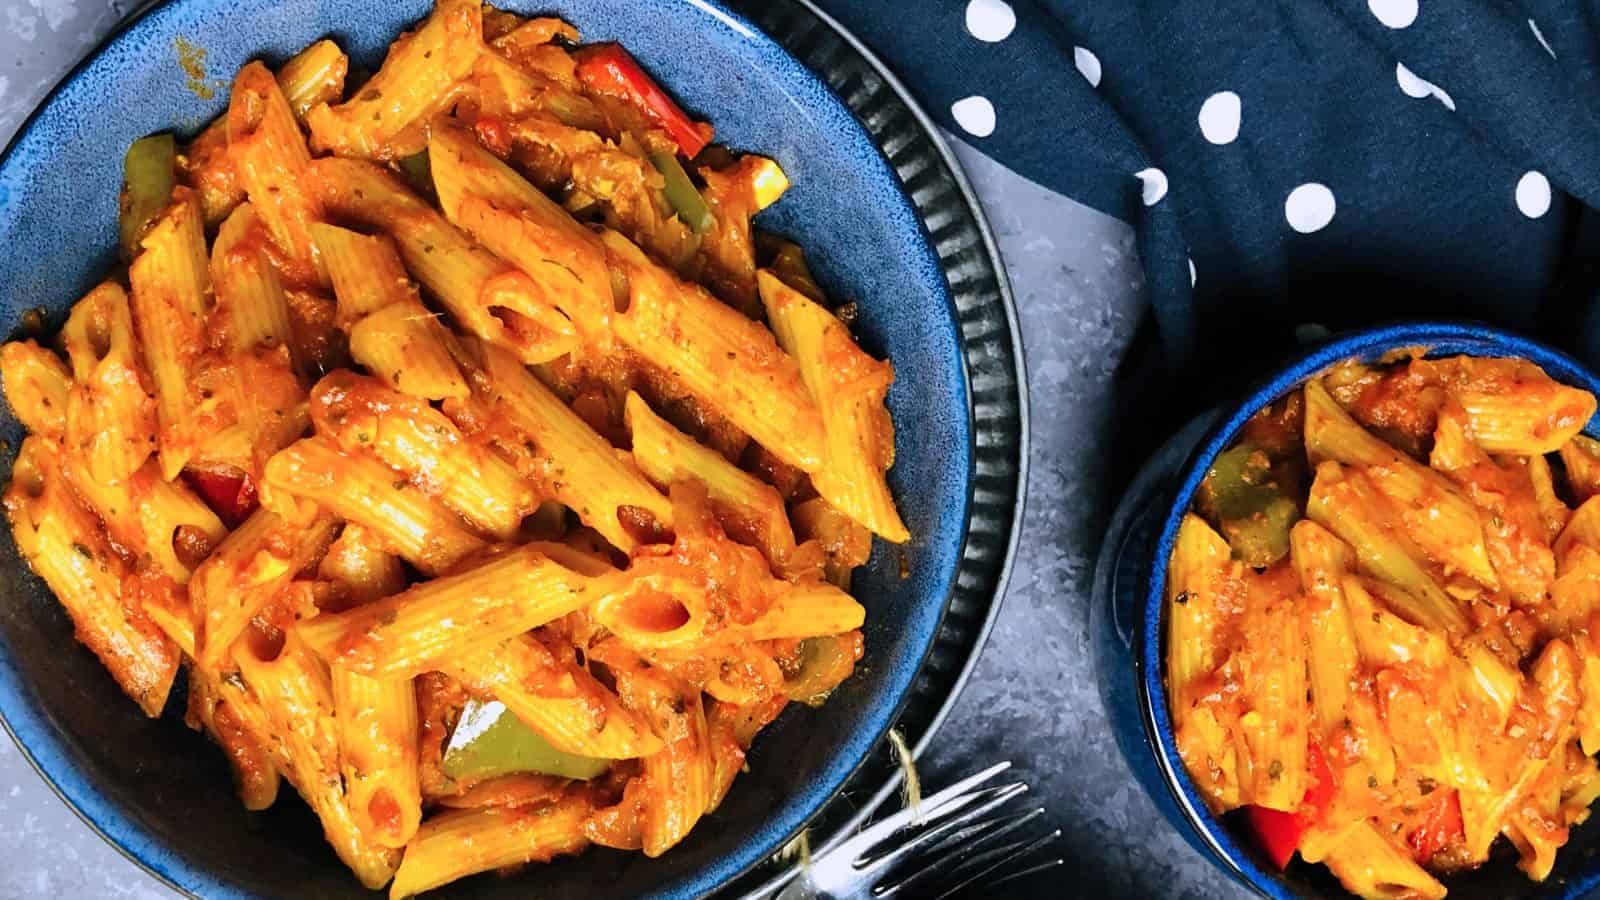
1383	627
485	473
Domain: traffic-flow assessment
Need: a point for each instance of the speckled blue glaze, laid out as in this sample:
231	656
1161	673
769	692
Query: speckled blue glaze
1130	584
164	796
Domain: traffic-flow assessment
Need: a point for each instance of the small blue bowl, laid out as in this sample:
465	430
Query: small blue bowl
1128	621
161	793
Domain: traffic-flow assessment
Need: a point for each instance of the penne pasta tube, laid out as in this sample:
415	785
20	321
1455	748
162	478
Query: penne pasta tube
365	269
1274	722
357	561
420	629
480	291
246	573
239	728
270	155
1526	417
1580	457
170	281
849	388
359	488
577	466
426	447
391	333
410	350
161	521
749	508
251	311
501	210
725	360
420	78
377	723
1322	561
313	76
63	544
678	779
36	383
296	693
1371	867
462	842
556	698
1346	504
1553	511
1437	518
111	421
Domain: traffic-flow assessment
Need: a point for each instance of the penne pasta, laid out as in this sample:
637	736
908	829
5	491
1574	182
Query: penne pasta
63	544
576	465
1346	504
170	281
564	260
270	155
463	842
251	311
420	628
725	360
313	76
110	418
849	388
37	385
479	290
426	447
391	333
162	522
297	695
747	507
420	78
246	572
359	488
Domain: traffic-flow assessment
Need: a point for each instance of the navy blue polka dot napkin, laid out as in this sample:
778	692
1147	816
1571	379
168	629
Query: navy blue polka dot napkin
1287	162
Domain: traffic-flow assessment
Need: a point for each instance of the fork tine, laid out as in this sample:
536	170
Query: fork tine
972	837
1000	856
969	809
965	868
932	806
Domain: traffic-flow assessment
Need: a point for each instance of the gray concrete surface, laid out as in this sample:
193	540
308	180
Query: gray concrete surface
1033	698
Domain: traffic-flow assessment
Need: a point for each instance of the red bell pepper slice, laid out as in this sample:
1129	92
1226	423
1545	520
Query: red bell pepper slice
1279	832
612	70
1441	826
231	497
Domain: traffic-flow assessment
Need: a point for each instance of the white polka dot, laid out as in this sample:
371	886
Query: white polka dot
1394	13
1219	117
975	114
1192	277
1414	85
1533	195
1542	42
1410	84
1155	185
1309	208
1088	64
990	20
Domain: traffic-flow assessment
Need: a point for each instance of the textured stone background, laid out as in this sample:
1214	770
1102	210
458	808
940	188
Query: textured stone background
1033	698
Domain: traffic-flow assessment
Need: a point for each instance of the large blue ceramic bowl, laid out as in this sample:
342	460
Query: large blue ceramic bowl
163	795
1129	624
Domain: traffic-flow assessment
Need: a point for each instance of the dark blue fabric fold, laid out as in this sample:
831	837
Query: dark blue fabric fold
1459	149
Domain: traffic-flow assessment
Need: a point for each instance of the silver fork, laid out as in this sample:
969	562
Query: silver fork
962	839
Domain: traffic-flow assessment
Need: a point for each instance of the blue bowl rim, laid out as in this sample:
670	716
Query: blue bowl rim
118	819
1228	851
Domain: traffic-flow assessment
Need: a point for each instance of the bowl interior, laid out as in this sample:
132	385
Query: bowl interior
161	792
1576	872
